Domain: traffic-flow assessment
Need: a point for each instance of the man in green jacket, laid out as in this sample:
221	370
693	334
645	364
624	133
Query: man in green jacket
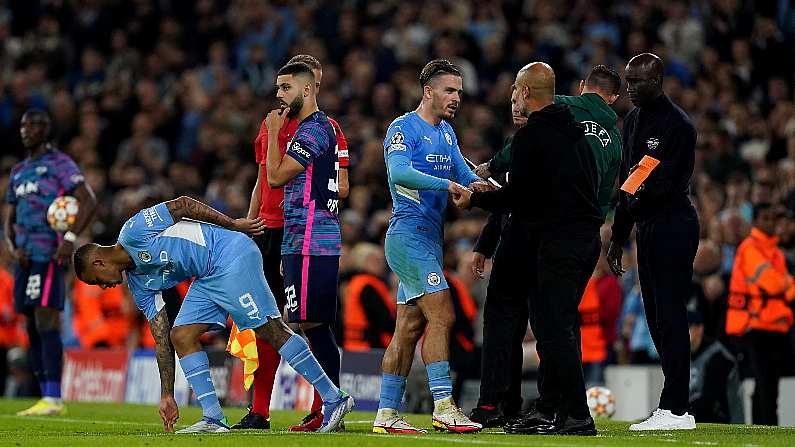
592	108
507	300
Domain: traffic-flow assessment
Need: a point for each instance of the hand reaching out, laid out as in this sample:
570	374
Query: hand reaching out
481	186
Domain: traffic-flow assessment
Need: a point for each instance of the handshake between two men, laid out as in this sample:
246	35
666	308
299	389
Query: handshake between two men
461	195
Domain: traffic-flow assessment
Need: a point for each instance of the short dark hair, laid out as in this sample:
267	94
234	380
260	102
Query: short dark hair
296	68
308	59
605	79
81	259
38	113
761	207
437	67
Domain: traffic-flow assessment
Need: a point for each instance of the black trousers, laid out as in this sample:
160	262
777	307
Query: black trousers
667	245
564	263
767	351
505	319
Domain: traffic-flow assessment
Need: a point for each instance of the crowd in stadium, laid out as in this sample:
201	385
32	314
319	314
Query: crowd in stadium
154	100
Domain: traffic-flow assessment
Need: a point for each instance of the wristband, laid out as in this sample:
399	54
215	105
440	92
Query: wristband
69	236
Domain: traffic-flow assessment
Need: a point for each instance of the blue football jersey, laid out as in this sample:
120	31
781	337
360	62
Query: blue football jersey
431	150
166	253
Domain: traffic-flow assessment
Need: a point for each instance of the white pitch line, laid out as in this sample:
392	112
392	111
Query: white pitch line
57	419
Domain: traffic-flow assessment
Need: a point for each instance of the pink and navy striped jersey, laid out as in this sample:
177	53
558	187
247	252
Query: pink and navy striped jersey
311	198
33	185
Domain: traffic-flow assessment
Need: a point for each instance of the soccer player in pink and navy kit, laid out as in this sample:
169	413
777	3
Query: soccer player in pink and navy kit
40	252
311	246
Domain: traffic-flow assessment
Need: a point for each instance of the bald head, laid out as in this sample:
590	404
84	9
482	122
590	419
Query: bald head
534	88
539	78
644	75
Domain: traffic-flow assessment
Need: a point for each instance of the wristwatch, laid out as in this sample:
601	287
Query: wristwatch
69	236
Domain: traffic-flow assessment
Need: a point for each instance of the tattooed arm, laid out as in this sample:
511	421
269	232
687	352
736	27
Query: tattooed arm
186	207
164	352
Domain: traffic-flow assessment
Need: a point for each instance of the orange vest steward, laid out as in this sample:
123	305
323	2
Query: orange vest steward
354	317
761	288
593	346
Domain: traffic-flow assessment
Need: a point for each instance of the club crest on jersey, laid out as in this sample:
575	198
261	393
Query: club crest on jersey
41	170
396	143
144	256
448	138
652	143
593	129
434	279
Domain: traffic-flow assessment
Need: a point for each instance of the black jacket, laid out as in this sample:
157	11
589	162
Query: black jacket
664	131
553	179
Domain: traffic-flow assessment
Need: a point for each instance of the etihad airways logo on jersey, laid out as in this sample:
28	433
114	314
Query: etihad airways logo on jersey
438	158
595	130
23	189
440	162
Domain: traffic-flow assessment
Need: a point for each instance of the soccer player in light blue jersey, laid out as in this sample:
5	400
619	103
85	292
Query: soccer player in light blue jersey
424	163
166	244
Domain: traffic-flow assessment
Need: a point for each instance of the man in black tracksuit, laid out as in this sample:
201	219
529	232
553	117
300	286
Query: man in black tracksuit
667	229
555	230
505	313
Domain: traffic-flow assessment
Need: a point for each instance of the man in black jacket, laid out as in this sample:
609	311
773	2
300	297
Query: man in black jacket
555	228
667	229
505	315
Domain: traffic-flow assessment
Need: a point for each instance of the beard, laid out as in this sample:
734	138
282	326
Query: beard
445	112
296	106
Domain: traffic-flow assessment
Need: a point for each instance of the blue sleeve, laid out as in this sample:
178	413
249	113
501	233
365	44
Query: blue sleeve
149	302
399	147
308	144
461	172
146	224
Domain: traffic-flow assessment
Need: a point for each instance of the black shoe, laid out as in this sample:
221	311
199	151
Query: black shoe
252	421
529	423
487	417
570	426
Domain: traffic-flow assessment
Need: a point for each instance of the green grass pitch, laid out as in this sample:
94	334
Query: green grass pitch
125	425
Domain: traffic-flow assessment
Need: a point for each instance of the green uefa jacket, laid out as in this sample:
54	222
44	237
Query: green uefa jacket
601	132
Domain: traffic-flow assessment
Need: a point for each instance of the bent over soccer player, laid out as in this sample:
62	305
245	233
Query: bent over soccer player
422	155
158	249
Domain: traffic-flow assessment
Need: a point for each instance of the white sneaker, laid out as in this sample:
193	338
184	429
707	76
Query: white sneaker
665	420
448	417
206	425
388	420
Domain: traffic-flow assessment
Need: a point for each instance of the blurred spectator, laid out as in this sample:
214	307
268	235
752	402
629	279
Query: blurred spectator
101	316
714	378
12	332
369	311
